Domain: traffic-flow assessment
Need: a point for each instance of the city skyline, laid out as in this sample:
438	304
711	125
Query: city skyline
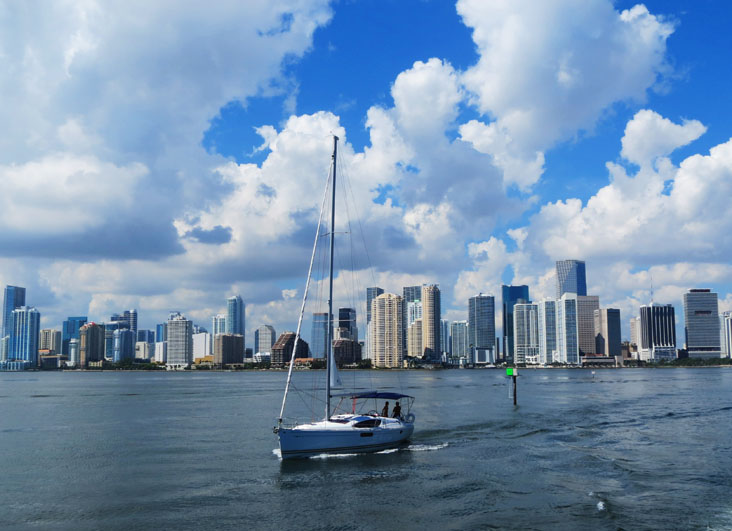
212	196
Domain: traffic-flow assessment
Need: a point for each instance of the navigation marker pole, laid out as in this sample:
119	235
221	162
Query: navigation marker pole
513	373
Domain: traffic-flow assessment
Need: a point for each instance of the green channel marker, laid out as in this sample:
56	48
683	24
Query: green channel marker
509	371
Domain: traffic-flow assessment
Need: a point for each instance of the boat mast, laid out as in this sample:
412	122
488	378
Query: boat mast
329	348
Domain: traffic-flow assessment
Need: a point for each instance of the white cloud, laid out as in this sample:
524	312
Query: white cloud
649	136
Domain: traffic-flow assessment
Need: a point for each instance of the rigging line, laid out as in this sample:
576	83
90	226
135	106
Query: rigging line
304	300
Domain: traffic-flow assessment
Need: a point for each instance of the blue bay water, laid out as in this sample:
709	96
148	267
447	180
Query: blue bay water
625	449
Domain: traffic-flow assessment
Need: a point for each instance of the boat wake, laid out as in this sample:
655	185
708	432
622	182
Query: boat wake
425	447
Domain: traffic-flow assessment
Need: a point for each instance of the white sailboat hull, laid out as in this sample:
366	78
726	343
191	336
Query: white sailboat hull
332	438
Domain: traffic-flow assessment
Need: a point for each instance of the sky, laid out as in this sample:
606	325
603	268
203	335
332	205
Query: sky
164	156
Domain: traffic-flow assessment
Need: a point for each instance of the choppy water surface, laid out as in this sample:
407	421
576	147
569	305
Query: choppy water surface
625	449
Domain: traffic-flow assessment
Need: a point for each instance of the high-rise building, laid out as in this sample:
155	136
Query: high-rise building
414	311
346	352
146	336
409	294
109	328
371	294
459	338
635	332
482	322
511	295
70	330
91	344
546	328
23	342
414	339
607	331
124	345
657	332
701	323
73	347
571	277
445	336
14	298
387	311
319	335
161	351
567	331
235	317
144	350
283	347
180	342
201	345
267	337
161	332
227	349
50	339
726	334
431	315
131	318
586	306
525	333
347	323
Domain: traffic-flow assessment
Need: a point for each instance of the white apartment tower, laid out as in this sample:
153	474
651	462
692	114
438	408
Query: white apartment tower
386	325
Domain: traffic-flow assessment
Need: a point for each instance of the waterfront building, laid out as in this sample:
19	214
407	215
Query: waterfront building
50	339
525	333
4	348
546	328
387	311
144	350
319	335
482	323
13	298
634	332
235	318
148	336
409	294
567	331
283	348
161	352
414	339
657	332
726	334
371	294
201	345
227	349
431	316
109	329
459	337
124	345
571	277
347	323
346	352
445	336
23	342
266	336
701	324
73	347
414	311
70	330
131	318
161	332
180	342
586	306
607	332
91	344
511	295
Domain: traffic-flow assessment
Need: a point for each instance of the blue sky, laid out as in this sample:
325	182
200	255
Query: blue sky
171	159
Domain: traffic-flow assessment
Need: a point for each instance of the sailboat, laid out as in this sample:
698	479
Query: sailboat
341	431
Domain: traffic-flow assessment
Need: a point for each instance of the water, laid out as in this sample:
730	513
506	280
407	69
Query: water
627	449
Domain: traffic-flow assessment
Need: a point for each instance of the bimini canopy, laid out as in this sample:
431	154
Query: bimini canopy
375	394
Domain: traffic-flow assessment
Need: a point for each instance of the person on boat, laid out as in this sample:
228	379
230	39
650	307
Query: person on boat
397	411
385	411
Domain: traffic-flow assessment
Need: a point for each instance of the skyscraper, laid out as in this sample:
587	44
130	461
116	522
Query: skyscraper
124	345
131	318
26	325
319	335
347	323
525	333
726	334
91	344
547	329
567	332
586	306
283	347
14	298
414	339
482	322
511	295
387	311
161	332
635	331
607	331
409	294
445	336
431	315
218	324
50	339
267	337
371	294
180	342
459	339
235	318
657	332
701	323
571	277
